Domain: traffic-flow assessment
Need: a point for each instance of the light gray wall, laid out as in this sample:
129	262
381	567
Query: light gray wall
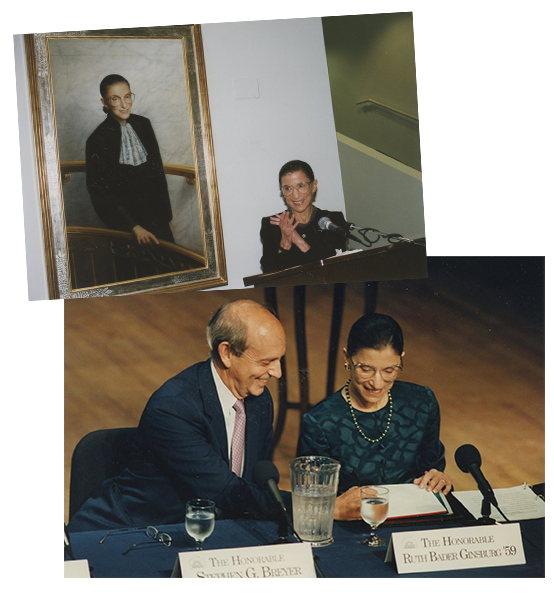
380	193
37	286
290	118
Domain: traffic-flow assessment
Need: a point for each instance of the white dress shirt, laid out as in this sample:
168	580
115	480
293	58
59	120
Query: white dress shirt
227	400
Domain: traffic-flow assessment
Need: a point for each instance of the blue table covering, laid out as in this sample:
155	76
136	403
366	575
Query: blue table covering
346	557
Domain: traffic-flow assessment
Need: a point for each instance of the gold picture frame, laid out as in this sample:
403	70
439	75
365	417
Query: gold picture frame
85	258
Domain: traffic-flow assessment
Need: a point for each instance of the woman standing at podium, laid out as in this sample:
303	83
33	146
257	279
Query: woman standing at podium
380	429
294	237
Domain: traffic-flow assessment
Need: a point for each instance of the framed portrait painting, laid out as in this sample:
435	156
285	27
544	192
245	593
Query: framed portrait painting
125	161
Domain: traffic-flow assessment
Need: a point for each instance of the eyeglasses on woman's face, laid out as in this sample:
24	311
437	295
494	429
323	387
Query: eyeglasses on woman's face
302	188
121	101
367	372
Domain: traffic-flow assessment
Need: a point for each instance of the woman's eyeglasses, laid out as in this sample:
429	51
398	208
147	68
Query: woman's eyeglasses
366	372
116	100
302	187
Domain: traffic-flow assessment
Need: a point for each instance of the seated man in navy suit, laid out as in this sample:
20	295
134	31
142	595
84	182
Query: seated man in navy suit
185	446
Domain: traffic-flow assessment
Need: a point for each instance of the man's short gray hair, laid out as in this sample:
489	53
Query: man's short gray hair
227	326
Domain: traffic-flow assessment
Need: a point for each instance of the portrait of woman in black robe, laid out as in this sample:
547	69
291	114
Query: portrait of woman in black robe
124	169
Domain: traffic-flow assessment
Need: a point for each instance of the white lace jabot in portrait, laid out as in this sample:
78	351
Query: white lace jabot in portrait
132	150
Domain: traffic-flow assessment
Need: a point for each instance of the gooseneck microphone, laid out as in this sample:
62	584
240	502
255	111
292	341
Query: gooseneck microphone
266	475
326	224
468	459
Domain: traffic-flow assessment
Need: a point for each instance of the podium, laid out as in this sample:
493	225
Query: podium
400	261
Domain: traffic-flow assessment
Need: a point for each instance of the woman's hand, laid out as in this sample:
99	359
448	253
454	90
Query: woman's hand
347	505
144	236
435	481
289	235
288	225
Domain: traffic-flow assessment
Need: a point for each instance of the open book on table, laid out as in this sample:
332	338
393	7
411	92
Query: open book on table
408	500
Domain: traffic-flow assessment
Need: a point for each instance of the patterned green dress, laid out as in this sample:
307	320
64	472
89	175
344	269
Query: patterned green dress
410	447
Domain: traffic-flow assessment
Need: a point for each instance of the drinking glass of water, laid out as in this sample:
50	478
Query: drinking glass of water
199	520
374	508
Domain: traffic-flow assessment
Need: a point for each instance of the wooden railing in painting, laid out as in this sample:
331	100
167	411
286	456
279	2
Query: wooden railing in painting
99	257
186	171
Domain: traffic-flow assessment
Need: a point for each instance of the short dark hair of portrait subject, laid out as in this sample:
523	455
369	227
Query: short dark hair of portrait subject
111	80
108	81
226	326
375	331
293	167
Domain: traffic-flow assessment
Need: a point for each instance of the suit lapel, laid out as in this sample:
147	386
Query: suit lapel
212	407
214	413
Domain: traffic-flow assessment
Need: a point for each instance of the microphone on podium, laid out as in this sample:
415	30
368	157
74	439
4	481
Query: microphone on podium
326	224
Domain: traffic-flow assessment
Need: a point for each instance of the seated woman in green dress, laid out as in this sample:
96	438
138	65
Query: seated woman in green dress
380	429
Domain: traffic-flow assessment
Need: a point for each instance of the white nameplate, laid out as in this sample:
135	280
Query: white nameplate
76	568
293	560
456	548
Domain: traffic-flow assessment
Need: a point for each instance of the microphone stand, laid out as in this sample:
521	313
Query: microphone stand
316	565
486	513
283	533
67	545
283	538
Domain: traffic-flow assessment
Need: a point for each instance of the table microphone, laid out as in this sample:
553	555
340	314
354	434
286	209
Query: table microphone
468	459
266	475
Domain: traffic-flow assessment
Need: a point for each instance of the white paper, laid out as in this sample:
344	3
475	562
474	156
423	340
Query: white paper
517	503
76	568
406	500
348	252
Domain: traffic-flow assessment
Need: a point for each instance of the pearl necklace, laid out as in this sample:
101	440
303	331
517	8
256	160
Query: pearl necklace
346	388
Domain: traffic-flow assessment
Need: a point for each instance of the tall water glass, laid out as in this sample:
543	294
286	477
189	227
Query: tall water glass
314	482
200	520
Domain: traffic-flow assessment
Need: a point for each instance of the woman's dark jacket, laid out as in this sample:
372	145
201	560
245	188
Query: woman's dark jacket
323	243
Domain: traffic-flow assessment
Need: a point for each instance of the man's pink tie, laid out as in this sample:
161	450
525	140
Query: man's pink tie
237	443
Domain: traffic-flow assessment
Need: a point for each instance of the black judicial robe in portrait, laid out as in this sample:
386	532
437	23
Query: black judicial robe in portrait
181	453
124	196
